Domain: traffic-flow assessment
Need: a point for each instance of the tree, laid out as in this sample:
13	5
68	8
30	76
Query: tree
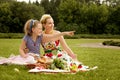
68	11
21	12
73	14
113	25
36	3
13	15
45	5
5	17
96	18
2	1
53	10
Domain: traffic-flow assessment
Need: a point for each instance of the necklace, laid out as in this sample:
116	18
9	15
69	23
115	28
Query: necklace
50	32
34	41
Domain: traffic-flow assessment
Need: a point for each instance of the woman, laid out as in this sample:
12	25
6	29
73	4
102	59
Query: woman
48	24
52	48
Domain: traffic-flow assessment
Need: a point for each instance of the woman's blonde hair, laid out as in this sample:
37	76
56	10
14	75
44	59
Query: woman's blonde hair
29	25
44	18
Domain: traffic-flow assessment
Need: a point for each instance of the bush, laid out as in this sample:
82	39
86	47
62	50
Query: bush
76	36
11	35
111	43
93	36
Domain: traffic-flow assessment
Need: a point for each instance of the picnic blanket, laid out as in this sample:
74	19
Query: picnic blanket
46	65
13	59
39	70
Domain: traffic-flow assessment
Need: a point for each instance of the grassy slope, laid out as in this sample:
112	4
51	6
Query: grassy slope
107	61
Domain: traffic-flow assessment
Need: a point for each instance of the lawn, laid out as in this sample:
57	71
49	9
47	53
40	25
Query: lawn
107	60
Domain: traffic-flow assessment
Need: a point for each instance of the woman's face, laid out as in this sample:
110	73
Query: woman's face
38	29
49	25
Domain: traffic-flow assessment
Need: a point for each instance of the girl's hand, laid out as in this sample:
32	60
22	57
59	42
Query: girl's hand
69	33
36	56
26	50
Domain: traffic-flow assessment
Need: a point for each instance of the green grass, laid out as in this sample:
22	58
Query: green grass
107	60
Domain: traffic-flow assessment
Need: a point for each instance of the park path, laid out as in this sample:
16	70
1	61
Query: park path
98	45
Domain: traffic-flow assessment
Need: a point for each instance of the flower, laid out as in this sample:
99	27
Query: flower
49	55
79	66
59	55
73	67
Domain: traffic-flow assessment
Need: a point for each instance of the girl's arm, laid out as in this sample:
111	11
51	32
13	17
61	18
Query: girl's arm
66	48
49	37
22	49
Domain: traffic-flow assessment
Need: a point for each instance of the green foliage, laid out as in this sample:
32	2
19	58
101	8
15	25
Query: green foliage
83	16
1	1
112	28
68	11
45	4
96	18
5	17
13	15
114	21
12	35
92	17
111	43
93	36
89	17
27	11
50	7
58	64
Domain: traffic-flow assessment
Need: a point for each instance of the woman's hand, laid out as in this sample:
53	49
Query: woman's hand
74	56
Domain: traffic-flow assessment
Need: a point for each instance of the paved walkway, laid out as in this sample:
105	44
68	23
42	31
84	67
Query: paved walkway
98	45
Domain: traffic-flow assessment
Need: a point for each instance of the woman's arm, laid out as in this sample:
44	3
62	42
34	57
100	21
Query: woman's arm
67	48
49	37
22	49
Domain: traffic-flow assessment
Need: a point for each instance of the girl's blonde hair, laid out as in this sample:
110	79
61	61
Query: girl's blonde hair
29	25
44	18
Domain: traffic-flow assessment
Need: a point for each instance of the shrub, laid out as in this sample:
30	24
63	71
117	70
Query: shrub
111	43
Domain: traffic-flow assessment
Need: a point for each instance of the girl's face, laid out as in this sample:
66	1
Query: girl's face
49	25
37	30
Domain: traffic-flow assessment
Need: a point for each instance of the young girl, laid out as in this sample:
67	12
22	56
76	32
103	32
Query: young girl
31	41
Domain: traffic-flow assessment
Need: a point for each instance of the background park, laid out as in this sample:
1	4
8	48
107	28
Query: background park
96	41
